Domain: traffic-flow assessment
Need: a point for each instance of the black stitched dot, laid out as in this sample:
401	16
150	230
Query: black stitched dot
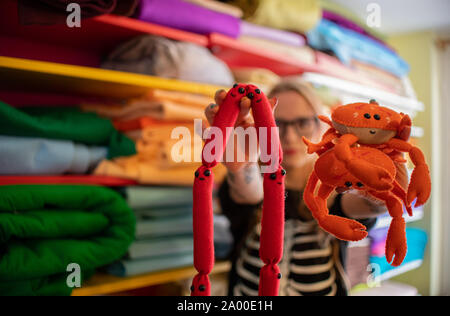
258	91
241	90
235	85
201	288
377	117
348	183
367	116
207	172
197	174
279	276
250	95
192	288
359	184
273	176
283	172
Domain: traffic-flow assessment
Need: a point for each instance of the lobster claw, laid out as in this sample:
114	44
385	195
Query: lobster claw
419	186
343	228
371	175
396	242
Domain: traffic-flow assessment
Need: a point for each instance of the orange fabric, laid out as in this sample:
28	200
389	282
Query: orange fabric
143	122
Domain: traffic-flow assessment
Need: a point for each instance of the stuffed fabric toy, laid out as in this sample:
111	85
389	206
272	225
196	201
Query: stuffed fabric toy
358	152
272	222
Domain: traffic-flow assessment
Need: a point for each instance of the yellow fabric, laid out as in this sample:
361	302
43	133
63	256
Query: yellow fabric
295	15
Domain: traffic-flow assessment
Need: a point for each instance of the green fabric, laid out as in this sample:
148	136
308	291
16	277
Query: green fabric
44	228
64	123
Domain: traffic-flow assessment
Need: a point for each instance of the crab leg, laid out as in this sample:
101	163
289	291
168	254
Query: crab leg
420	184
326	141
272	221
396	238
202	195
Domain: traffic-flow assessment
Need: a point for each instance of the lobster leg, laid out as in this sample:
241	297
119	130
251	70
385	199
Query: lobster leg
396	238
272	222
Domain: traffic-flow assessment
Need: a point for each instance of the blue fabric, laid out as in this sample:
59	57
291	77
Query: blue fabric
26	155
347	45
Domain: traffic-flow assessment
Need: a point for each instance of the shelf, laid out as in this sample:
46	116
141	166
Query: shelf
102	284
67	179
406	267
32	75
398	103
385	221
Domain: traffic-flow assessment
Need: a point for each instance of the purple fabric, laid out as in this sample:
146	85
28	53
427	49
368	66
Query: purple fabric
289	38
348	24
188	17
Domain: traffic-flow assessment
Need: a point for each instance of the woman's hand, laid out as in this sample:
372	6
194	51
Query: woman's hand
244	120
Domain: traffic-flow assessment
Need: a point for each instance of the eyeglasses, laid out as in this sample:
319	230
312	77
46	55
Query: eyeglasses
303	126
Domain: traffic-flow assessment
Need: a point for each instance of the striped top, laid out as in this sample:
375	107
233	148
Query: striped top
308	267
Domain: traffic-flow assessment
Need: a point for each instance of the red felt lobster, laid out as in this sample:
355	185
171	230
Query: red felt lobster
272	222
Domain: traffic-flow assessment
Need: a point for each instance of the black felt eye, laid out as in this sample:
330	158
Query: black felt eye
202	288
348	184
359	184
241	90
197	174
192	288
207	173
258	91
373	101
273	176
283	172
367	116
235	85
250	95
279	276
377	117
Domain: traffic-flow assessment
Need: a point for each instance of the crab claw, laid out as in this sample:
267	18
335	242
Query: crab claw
371	175
396	242
343	228
419	186
312	148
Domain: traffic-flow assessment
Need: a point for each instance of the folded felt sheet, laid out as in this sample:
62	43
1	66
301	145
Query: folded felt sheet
188	17
64	124
349	45
47	227
288	38
219	7
159	56
27	155
294	15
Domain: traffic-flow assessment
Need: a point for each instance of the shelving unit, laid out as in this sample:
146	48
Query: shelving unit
102	284
58	59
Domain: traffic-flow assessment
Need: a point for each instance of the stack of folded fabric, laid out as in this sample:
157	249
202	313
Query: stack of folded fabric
48	228
164	236
55	141
358	47
168	146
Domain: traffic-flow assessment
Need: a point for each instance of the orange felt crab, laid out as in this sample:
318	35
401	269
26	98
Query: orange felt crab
378	127
358	151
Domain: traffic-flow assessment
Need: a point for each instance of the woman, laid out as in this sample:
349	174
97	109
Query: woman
312	261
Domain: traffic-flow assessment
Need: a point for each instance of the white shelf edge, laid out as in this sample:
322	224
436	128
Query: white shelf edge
401	269
397	101
386	221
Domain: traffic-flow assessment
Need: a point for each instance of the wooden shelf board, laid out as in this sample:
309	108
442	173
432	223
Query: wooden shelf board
102	284
17	73
67	179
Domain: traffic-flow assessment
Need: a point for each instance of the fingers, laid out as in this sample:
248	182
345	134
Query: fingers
220	96
210	112
273	103
244	114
